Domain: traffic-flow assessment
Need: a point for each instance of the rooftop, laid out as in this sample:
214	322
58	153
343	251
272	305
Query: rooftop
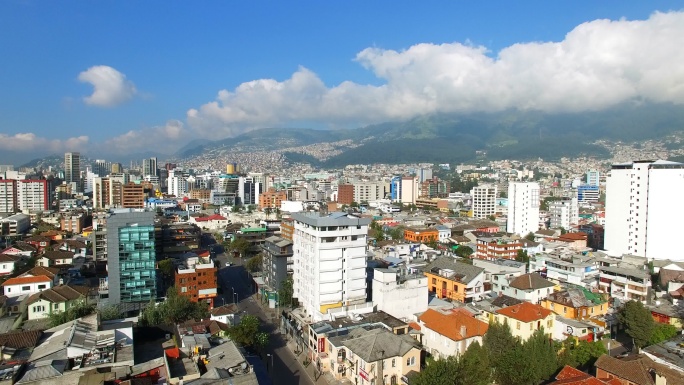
454	324
525	312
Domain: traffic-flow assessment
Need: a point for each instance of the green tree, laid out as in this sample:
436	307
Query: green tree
166	267
438	372
241	245
662	332
474	366
109	313
586	353
247	333
78	310
432	243
175	309
254	264
464	251
285	292
498	340
638	322
397	233
530	236
267	211
522	256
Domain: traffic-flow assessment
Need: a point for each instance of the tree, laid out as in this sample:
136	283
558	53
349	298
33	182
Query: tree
474	366
109	313
492	217
175	309
498	340
586	353
530	236
522	256
438	372
247	333
78	310
166	267
638	322
267	211
254	264
662	332
241	245
397	233
464	251
285	292
432	243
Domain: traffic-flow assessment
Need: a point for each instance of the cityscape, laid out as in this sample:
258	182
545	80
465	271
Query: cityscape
465	213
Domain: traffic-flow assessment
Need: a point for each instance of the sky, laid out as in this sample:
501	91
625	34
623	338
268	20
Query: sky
122	77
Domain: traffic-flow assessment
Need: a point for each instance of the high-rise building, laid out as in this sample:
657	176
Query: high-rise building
249	191
642	209
8	196
32	195
369	191
150	167
132	195
423	174
329	261
409	190
593	177
102	168
117	168
131	256
177	184
484	200
72	168
345	194
564	213
523	208
434	188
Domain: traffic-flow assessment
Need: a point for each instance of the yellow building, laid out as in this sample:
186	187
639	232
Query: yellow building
576	303
525	318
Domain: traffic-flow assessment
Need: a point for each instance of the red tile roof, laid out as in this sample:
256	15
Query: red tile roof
25	280
214	217
414	326
525	312
451	324
571	376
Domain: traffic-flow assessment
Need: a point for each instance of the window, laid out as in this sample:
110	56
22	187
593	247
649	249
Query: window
184	289
565	309
394	363
517	326
410	361
38	308
25	288
40	287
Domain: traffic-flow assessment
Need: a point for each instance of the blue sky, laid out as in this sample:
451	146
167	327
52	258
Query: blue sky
162	65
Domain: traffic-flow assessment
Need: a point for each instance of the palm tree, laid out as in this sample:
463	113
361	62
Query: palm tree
267	211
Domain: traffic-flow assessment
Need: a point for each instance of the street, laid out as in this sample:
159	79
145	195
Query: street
234	281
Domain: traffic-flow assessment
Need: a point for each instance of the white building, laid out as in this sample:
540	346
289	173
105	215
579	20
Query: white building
642	209
26	285
370	191
410	189
484	200
329	262
8	196
529	287
32	195
593	177
523	208
398	293
177	184
564	213
449	333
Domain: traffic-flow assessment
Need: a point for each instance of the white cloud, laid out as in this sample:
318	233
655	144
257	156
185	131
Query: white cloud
111	87
164	139
30	142
598	64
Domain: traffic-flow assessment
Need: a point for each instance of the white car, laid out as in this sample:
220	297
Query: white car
228	264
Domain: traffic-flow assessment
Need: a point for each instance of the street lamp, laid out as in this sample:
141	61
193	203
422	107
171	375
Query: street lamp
272	367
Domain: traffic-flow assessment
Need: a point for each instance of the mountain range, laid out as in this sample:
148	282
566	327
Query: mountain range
451	138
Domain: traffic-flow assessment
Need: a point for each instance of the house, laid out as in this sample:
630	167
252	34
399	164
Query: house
637	369
421	234
453	280
55	258
26	285
579	330
227	314
525	318
576	241
7	263
20	248
625	283
56	299
571	376
529	287
576	302
40	242
372	355
399	291
50	272
77	247
450	332
212	222
18	344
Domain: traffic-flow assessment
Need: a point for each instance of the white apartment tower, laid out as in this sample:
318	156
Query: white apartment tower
329	262
32	195
484	200
564	213
410	189
177	184
523	208
643	210
593	178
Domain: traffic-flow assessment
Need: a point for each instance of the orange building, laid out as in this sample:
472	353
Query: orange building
271	199
421	235
453	280
287	228
201	194
197	280
345	194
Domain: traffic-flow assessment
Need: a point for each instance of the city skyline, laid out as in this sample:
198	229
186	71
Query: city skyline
129	79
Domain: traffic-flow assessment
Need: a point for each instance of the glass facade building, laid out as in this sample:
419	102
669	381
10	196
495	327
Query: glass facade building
136	263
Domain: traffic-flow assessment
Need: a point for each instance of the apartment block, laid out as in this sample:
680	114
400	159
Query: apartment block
624	283
484	200
133	196
329	261
434	188
523	208
456	281
422	235
345	194
369	191
564	213
32	195
197	279
399	292
271	199
278	261
493	248
73	223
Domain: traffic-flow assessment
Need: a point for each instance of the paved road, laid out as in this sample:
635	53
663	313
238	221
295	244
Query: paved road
284	367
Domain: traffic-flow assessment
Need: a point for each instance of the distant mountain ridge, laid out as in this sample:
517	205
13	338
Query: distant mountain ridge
466	137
